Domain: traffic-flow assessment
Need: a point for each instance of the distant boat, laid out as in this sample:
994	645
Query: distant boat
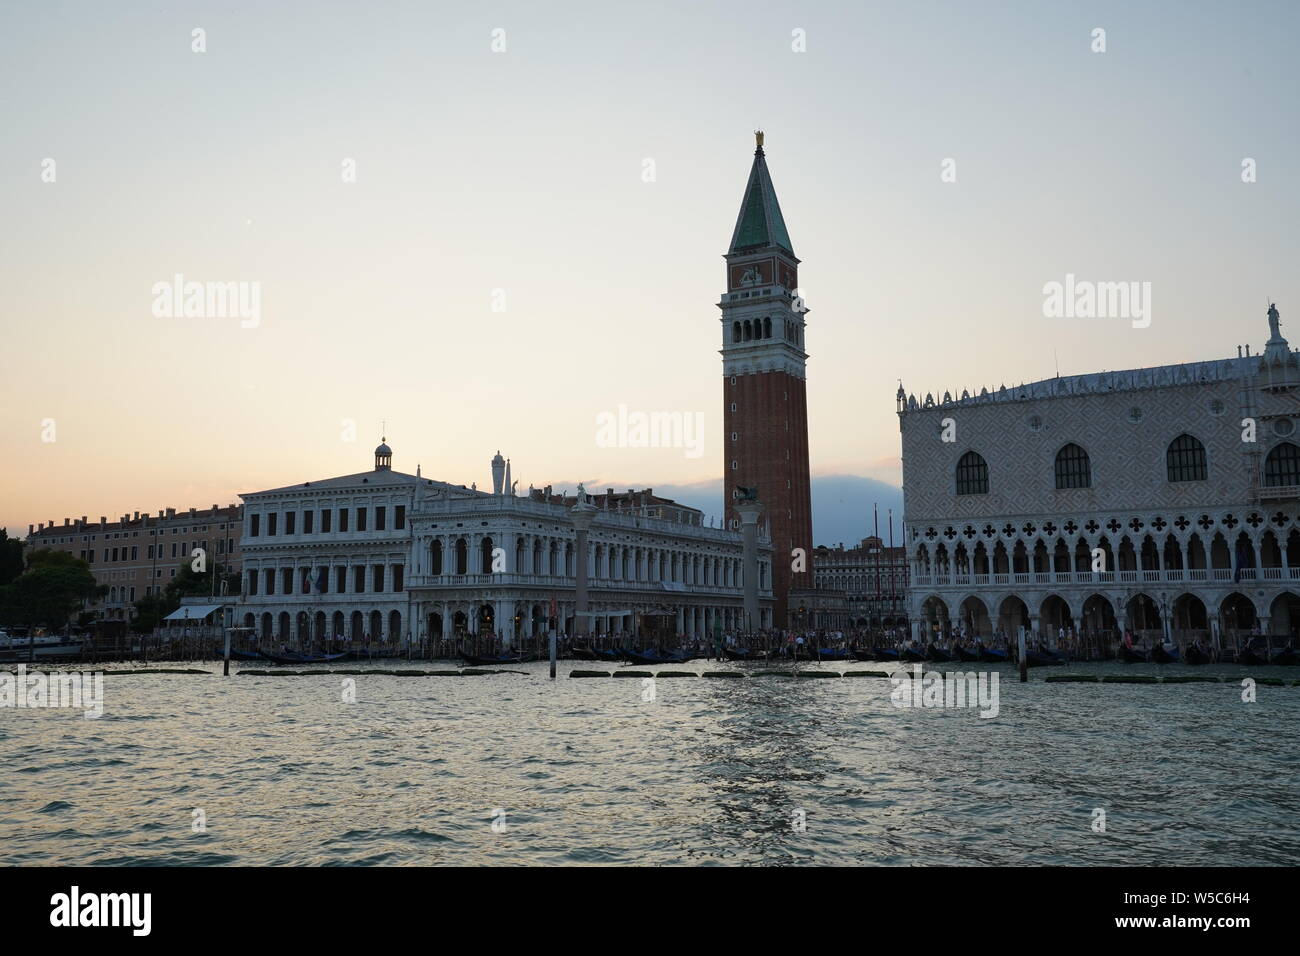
379	655
1162	656
1131	655
911	656
238	655
583	653
966	654
990	655
832	654
604	654
744	654
937	654
883	654
653	657
475	660
294	657
1194	655
1247	656
1288	656
1043	658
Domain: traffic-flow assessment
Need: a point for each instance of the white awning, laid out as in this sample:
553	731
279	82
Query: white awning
193	612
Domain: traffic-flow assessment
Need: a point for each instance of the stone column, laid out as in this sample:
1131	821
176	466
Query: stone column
583	514
749	512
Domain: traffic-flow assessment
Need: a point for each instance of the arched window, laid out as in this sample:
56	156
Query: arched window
767	327
972	475
1073	470
735	331
1185	459
1282	466
749	330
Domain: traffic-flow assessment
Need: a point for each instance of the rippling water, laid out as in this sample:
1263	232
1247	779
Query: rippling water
711	771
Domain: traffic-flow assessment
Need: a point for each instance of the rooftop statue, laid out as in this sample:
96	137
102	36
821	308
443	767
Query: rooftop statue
1274	321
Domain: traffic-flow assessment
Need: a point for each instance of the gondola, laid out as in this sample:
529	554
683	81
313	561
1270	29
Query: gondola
652	657
911	656
744	654
380	655
991	655
605	654
1162	656
239	655
1131	656
832	654
1194	655
885	654
583	653
865	655
1247	656
966	654
293	657
1043	658
1287	657
937	654
475	660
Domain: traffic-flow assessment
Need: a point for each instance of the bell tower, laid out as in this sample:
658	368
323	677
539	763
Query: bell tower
765	408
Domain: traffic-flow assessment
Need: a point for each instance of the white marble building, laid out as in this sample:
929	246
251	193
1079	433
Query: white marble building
1117	499
395	557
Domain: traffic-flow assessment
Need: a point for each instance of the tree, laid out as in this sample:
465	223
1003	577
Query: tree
49	592
11	557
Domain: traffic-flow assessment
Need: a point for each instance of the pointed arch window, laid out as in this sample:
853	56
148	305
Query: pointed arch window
1073	469
1282	466
1185	459
972	474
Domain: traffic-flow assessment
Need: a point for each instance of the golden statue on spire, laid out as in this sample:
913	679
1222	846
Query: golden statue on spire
758	138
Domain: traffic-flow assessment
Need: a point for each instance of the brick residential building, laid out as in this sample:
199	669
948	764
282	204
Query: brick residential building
139	553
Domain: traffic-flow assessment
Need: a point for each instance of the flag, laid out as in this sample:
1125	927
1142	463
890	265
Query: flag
319	583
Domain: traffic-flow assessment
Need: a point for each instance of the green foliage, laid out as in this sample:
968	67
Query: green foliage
49	592
11	558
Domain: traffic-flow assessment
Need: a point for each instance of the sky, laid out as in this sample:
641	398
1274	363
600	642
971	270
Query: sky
540	198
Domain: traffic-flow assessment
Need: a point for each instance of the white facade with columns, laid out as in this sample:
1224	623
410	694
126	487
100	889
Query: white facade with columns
418	559
1132	499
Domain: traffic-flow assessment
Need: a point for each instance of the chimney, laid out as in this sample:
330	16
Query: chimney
214	509
29	531
136	516
171	512
66	522
40	527
103	520
191	512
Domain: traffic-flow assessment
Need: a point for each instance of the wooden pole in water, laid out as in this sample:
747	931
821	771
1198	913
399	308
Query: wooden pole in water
552	653
225	671
1024	660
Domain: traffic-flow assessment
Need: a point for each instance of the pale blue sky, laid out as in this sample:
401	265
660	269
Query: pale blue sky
522	171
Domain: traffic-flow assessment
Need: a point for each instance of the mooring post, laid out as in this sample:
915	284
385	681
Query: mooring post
1024	660
552	653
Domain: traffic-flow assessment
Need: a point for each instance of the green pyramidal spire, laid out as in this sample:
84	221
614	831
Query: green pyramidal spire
760	223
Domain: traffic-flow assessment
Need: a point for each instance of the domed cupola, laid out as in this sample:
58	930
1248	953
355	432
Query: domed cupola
383	456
